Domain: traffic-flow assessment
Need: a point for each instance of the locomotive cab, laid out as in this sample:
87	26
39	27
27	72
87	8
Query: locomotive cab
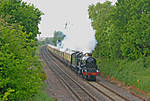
75	60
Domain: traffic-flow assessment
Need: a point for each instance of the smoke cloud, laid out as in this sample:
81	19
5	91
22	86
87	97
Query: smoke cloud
79	33
79	39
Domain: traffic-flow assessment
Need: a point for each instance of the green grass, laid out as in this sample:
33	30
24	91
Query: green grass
37	50
41	96
128	71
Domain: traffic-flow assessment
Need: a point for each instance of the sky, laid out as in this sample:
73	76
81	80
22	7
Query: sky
80	35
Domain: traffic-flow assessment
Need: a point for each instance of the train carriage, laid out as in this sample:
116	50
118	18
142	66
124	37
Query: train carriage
83	64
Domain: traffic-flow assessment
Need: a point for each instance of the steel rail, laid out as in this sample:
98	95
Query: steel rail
107	92
66	82
115	94
62	80
94	99
112	91
103	92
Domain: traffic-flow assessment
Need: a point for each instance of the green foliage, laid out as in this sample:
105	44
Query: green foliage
122	31
100	16
123	35
7	94
43	75
131	20
127	71
48	40
58	37
27	16
41	96
19	68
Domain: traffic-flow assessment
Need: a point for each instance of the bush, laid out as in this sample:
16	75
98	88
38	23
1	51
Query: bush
19	73
127	71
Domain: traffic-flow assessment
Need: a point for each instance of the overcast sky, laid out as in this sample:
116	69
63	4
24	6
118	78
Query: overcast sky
73	12
58	12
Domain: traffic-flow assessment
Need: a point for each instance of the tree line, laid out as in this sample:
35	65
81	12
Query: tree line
123	36
58	37
122	30
19	67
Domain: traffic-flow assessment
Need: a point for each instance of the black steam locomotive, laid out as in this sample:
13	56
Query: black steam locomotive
83	64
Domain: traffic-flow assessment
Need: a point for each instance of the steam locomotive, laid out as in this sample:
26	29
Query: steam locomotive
82	64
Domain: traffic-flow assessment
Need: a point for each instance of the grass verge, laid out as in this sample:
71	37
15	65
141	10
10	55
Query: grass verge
41	96
135	73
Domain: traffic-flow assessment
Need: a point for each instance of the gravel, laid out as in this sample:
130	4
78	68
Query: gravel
57	90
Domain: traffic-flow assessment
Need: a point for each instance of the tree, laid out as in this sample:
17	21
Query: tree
100	15
58	37
19	12
19	69
131	20
122	30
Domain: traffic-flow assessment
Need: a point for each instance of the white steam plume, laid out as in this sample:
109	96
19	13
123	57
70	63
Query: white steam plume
79	39
79	34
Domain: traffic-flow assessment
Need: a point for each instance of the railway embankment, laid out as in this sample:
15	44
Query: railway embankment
123	49
132	75
19	67
62	82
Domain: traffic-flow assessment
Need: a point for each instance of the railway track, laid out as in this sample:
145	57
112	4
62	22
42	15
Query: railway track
80	92
107	92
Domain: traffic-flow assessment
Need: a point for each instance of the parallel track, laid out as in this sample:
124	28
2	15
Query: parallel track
80	92
107	92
